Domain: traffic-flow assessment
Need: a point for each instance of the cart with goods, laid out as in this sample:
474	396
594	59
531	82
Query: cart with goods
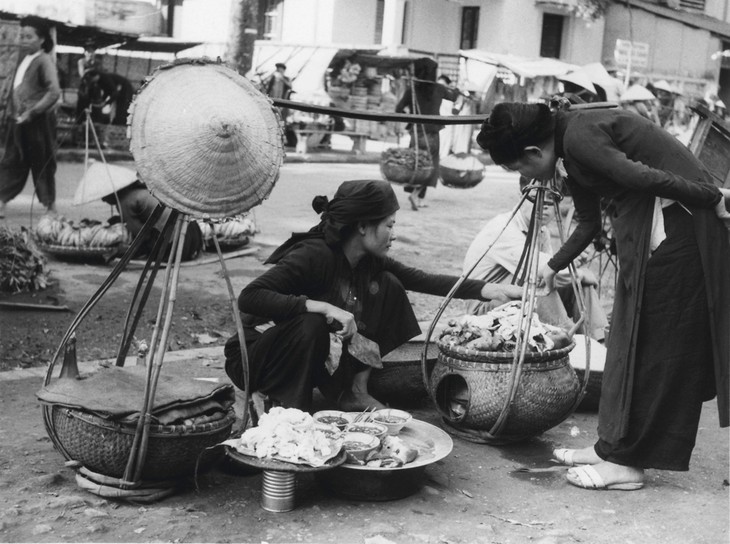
134	432
506	376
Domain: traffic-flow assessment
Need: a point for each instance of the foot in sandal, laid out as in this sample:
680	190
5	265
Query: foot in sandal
571	458
605	475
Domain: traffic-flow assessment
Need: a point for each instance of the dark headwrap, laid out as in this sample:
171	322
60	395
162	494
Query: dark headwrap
512	126
356	201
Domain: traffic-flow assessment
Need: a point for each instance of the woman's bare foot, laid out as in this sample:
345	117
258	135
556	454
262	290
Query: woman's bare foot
584	456
351	401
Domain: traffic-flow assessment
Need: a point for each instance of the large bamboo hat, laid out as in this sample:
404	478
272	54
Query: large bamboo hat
205	141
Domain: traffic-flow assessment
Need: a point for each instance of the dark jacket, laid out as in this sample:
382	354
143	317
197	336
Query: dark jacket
39	91
628	160
314	270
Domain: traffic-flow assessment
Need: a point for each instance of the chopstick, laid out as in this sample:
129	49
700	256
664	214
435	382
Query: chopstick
364	416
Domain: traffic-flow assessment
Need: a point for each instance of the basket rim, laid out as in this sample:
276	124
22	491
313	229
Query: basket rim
159	431
77	251
504	357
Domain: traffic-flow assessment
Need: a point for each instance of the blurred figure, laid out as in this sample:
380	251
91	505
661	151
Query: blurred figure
30	144
427	101
108	94
448	108
278	85
641	101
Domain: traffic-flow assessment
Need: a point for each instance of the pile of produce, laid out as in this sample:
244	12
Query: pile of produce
497	330
406	158
22	266
229	231
58	231
404	165
290	435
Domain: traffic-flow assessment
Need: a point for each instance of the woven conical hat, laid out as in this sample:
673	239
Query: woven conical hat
205	141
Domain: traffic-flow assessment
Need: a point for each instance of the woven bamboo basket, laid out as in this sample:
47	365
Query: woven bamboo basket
471	388
396	173
103	446
400	382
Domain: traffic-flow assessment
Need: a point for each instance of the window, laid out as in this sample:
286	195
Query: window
379	11
695	5
469	27
552	35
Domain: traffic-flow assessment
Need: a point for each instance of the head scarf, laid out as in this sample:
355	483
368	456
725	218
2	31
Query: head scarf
511	127
356	201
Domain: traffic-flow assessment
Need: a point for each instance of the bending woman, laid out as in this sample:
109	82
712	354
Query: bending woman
669	347
336	278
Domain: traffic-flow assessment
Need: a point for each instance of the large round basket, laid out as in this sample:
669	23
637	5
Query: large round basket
461	171
103	446
396	173
400	381
471	387
205	141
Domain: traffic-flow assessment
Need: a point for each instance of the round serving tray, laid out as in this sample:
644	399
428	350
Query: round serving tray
432	443
283	466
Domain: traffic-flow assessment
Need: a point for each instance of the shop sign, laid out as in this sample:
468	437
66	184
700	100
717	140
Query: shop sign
639	52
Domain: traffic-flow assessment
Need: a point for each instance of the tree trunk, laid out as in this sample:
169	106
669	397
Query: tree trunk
244	33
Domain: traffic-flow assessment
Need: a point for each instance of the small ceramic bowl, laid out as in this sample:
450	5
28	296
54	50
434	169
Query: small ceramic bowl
359	445
392	418
333	417
376	429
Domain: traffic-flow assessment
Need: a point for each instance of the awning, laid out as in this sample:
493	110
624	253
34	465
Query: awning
521	66
157	45
77	35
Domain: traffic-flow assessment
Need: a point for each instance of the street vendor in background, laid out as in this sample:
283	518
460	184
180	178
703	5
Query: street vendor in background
278	85
668	348
30	144
428	97
135	205
328	286
502	261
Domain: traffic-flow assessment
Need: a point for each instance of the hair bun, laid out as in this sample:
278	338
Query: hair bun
319	203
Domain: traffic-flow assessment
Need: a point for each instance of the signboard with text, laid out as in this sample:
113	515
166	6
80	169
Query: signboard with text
637	51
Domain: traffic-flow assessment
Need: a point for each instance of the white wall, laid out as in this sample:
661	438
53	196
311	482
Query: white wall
203	20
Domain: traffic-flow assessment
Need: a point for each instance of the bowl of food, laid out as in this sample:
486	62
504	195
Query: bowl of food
333	417
392	418
359	445
378	430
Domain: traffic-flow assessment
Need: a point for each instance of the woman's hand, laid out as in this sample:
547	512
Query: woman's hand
23	118
587	277
721	209
334	314
547	275
501	292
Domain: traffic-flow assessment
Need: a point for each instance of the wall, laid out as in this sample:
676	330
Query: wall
204	20
515	27
678	53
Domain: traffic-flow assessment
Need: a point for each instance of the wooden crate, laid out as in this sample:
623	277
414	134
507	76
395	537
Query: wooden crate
710	143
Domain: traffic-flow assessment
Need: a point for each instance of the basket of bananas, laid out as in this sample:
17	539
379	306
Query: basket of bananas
60	237
231	233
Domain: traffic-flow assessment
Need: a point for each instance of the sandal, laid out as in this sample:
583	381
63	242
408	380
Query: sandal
564	456
588	477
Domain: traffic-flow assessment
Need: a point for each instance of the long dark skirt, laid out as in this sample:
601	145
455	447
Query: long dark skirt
674	373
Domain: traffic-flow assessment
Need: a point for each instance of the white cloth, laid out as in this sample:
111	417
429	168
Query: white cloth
23	68
657	222
504	255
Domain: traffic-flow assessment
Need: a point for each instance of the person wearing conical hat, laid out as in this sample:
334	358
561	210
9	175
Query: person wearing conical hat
135	205
326	286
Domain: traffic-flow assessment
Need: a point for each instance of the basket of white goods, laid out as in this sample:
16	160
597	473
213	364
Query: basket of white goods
475	379
461	171
231	233
61	238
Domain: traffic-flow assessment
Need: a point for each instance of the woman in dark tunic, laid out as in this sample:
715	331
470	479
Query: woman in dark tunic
336	278
668	350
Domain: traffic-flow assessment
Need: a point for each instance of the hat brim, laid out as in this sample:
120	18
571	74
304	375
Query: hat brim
102	179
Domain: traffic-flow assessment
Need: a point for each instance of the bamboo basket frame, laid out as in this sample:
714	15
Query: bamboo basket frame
530	260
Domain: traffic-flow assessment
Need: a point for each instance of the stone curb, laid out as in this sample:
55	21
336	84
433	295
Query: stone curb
87	367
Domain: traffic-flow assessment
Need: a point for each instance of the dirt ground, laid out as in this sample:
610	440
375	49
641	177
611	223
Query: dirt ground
473	495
